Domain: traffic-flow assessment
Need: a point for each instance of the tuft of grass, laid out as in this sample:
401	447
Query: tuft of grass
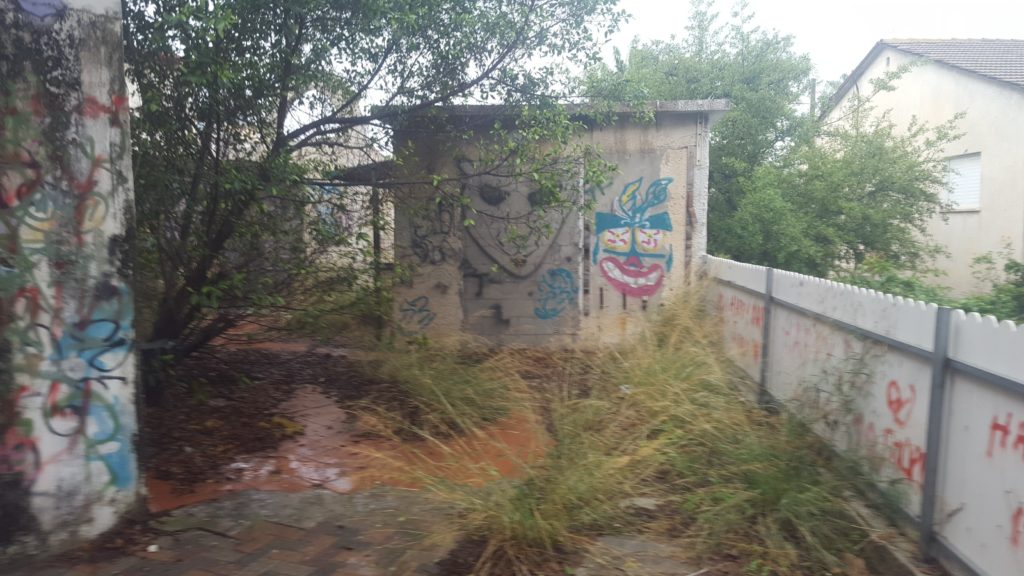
659	416
440	390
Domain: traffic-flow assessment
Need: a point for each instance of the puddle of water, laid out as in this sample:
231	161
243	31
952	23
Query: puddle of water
330	453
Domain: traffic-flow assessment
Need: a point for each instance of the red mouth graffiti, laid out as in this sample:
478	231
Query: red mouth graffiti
637	281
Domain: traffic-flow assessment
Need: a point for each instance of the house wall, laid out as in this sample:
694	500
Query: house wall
573	277
67	371
872	398
994	126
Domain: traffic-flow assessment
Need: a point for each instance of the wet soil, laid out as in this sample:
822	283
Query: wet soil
281	419
217	407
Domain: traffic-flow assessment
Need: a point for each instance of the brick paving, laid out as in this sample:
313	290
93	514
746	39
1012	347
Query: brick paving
381	533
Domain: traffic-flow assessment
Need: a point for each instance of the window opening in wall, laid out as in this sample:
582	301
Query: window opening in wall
643	304
623	301
963	179
600	298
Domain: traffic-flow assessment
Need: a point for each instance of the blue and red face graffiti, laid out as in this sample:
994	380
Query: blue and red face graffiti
634	239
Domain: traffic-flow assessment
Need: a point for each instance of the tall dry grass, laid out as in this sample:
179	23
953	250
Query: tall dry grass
659	417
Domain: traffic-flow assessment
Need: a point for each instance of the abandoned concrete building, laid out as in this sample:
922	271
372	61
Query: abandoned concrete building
514	275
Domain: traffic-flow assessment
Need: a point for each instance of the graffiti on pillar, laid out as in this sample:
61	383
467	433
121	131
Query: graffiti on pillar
633	239
67	316
417	311
556	292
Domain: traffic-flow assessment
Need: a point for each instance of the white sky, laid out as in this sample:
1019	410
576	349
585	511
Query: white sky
837	34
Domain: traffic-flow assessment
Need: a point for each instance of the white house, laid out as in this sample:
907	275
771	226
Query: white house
985	79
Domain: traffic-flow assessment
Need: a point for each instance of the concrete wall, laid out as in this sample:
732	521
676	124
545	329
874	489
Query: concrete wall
994	127
67	372
654	197
521	276
871	398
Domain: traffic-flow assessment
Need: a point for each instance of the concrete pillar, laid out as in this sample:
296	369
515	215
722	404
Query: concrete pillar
68	468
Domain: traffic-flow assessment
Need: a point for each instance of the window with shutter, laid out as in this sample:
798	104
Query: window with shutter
964	177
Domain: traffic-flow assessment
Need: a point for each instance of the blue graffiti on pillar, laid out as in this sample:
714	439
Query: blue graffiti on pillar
556	292
418	310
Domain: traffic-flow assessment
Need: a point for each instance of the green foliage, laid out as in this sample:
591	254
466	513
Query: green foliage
884	276
1005	300
862	189
1000	272
758	70
253	109
787	190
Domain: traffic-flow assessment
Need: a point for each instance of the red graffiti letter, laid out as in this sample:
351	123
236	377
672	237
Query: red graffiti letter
901	406
1017	526
1002	429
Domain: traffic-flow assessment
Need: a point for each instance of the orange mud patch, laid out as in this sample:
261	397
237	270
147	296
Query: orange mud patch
334	452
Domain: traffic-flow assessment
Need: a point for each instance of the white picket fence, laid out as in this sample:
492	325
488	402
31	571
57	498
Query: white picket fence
931	398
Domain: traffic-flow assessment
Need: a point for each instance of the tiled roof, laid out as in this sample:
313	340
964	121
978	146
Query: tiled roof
998	59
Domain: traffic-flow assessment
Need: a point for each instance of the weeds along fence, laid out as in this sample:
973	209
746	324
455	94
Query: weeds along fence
930	399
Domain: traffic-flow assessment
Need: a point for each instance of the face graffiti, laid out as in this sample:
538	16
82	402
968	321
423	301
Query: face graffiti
634	240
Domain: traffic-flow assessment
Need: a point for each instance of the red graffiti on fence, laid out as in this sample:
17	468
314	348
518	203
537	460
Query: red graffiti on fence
999	435
748	348
901	404
1017	526
744	311
901	452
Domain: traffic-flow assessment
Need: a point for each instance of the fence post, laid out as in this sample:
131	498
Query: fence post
762	385
936	413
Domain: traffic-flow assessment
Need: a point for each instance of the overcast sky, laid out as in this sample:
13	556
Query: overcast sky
837	34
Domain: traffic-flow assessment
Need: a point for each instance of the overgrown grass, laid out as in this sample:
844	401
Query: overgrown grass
658	417
441	390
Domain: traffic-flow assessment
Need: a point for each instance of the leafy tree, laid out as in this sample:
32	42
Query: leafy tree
758	70
861	190
247	102
1005	300
787	190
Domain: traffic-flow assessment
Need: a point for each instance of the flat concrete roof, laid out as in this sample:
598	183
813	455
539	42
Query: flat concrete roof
714	107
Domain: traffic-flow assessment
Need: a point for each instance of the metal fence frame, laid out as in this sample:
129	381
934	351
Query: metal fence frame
932	545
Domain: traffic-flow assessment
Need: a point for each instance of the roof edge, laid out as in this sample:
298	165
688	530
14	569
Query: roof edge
715	106
851	80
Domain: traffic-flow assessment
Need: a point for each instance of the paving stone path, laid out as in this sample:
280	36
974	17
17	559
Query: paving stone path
383	531
378	532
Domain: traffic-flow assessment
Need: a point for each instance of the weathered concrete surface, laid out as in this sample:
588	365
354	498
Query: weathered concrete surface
67	372
636	556
380	532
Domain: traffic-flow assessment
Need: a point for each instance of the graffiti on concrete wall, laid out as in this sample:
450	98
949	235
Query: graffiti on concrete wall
556	292
431	228
633	239
511	227
417	311
66	397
